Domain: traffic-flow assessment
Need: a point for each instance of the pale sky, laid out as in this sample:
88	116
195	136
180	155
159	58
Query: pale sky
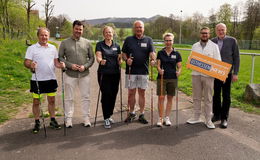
92	9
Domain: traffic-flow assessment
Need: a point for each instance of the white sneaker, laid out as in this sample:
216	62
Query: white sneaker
167	121
107	123
87	123
210	125
111	120
160	122
194	120
68	123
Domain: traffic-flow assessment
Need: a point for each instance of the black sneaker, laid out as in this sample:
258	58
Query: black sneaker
130	118
36	128
215	119
142	119
54	124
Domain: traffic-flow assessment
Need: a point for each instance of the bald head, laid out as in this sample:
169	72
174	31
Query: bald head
221	30
138	28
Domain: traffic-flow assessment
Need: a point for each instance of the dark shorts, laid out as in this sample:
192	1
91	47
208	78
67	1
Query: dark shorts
169	87
48	86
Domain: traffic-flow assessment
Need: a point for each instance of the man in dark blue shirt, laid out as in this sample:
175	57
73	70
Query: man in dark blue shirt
136	52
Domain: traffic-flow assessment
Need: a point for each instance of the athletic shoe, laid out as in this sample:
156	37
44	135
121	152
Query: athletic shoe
210	125
130	118
54	124
111	120
167	121
194	120
87	123
37	127
160	122
141	119
68	123
107	123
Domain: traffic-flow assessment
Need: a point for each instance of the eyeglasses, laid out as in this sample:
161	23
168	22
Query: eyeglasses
204	33
168	40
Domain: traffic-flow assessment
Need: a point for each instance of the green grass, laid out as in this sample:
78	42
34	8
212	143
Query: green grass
14	78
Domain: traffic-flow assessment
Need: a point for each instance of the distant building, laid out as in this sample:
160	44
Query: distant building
35	13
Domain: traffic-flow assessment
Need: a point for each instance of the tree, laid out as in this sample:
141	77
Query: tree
61	25
212	22
121	34
28	5
224	15
236	20
4	17
17	19
48	8
252	19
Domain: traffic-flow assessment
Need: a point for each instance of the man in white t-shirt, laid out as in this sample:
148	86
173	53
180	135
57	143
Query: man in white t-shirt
42	58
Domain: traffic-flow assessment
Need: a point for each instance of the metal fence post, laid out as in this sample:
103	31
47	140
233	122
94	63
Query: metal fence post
252	69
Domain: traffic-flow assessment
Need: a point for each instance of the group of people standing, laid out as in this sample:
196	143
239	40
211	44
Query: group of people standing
76	55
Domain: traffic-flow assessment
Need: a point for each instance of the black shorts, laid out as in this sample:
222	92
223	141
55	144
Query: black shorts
48	86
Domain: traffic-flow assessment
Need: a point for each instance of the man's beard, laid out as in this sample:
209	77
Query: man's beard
204	40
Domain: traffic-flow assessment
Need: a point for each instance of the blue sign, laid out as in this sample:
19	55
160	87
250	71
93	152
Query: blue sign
200	64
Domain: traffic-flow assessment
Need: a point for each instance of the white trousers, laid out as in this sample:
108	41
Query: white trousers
83	84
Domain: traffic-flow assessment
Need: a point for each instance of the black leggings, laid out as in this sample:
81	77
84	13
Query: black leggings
109	88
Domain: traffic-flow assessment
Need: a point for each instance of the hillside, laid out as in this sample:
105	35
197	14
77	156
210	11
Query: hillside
119	22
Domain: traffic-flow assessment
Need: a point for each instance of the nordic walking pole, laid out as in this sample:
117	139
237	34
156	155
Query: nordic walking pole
161	96
151	97
129	81
39	94
121	100
100	83
63	101
98	99
177	103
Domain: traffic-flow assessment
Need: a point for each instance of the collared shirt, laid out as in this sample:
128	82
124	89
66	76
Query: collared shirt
79	52
110	53
220	43
168	63
210	50
230	52
44	57
139	49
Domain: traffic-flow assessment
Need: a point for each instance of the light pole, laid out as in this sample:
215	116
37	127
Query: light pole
57	33
180	28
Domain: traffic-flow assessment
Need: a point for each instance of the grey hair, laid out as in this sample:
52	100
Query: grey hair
221	24
42	29
138	21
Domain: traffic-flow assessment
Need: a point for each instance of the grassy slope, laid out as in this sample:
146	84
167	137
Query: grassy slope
14	78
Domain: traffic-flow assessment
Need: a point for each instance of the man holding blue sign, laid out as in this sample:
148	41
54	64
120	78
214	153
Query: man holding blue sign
202	85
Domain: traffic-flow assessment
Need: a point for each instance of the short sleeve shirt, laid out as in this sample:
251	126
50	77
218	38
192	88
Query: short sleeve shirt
110	53
44	57
139	49
168	63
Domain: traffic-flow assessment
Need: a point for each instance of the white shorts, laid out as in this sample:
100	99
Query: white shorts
136	81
